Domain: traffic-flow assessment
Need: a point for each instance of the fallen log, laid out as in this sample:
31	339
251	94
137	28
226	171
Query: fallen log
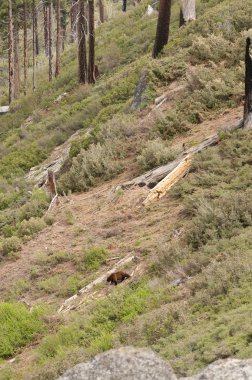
71	303
154	176
170	180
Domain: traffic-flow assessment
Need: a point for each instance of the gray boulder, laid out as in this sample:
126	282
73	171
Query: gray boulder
229	369
124	363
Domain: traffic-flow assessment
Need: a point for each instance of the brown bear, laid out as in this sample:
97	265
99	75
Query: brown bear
117	277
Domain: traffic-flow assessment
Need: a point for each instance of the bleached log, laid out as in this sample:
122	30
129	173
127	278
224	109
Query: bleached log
70	303
152	177
170	180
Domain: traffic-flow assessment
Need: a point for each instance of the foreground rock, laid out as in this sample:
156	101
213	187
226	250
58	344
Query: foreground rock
143	364
230	369
125	363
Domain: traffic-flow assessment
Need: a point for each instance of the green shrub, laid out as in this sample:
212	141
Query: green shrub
10	245
30	227
18	327
94	257
155	153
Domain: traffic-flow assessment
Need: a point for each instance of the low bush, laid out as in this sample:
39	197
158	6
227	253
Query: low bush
155	153
18	327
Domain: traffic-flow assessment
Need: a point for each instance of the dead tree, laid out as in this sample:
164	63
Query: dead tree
73	20
91	56
187	11
163	26
82	53
247	118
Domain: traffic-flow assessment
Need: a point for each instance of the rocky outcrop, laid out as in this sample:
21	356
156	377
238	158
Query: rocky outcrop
125	363
143	364
229	369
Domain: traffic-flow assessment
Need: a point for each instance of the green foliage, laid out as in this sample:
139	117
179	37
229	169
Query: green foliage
94	257
10	245
155	153
18	327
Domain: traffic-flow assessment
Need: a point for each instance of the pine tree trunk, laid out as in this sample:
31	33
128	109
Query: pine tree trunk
101	10
50	38
25	46
63	22
73	20
58	39
91	58
163	25
11	53
33	45
82	55
247	117
36	31
188	10
124	6
45	13
16	58
181	18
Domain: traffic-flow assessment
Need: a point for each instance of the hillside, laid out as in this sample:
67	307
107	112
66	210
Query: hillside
189	254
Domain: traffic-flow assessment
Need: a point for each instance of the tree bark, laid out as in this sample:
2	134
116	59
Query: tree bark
163	25
50	42
36	30
124	6
101	10
91	60
58	39
33	45
188	10
82	54
247	117
73	20
45	13
11	53
25	46
16	58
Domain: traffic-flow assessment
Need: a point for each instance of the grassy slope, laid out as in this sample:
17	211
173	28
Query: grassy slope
209	317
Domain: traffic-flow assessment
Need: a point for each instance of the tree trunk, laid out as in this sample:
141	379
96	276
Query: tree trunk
11	53
45	13
91	60
101	10
247	117
16	58
63	20
33	45
36	31
58	39
73	20
82	54
181	18
188	10
124	6
163	25
50	42
25	46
